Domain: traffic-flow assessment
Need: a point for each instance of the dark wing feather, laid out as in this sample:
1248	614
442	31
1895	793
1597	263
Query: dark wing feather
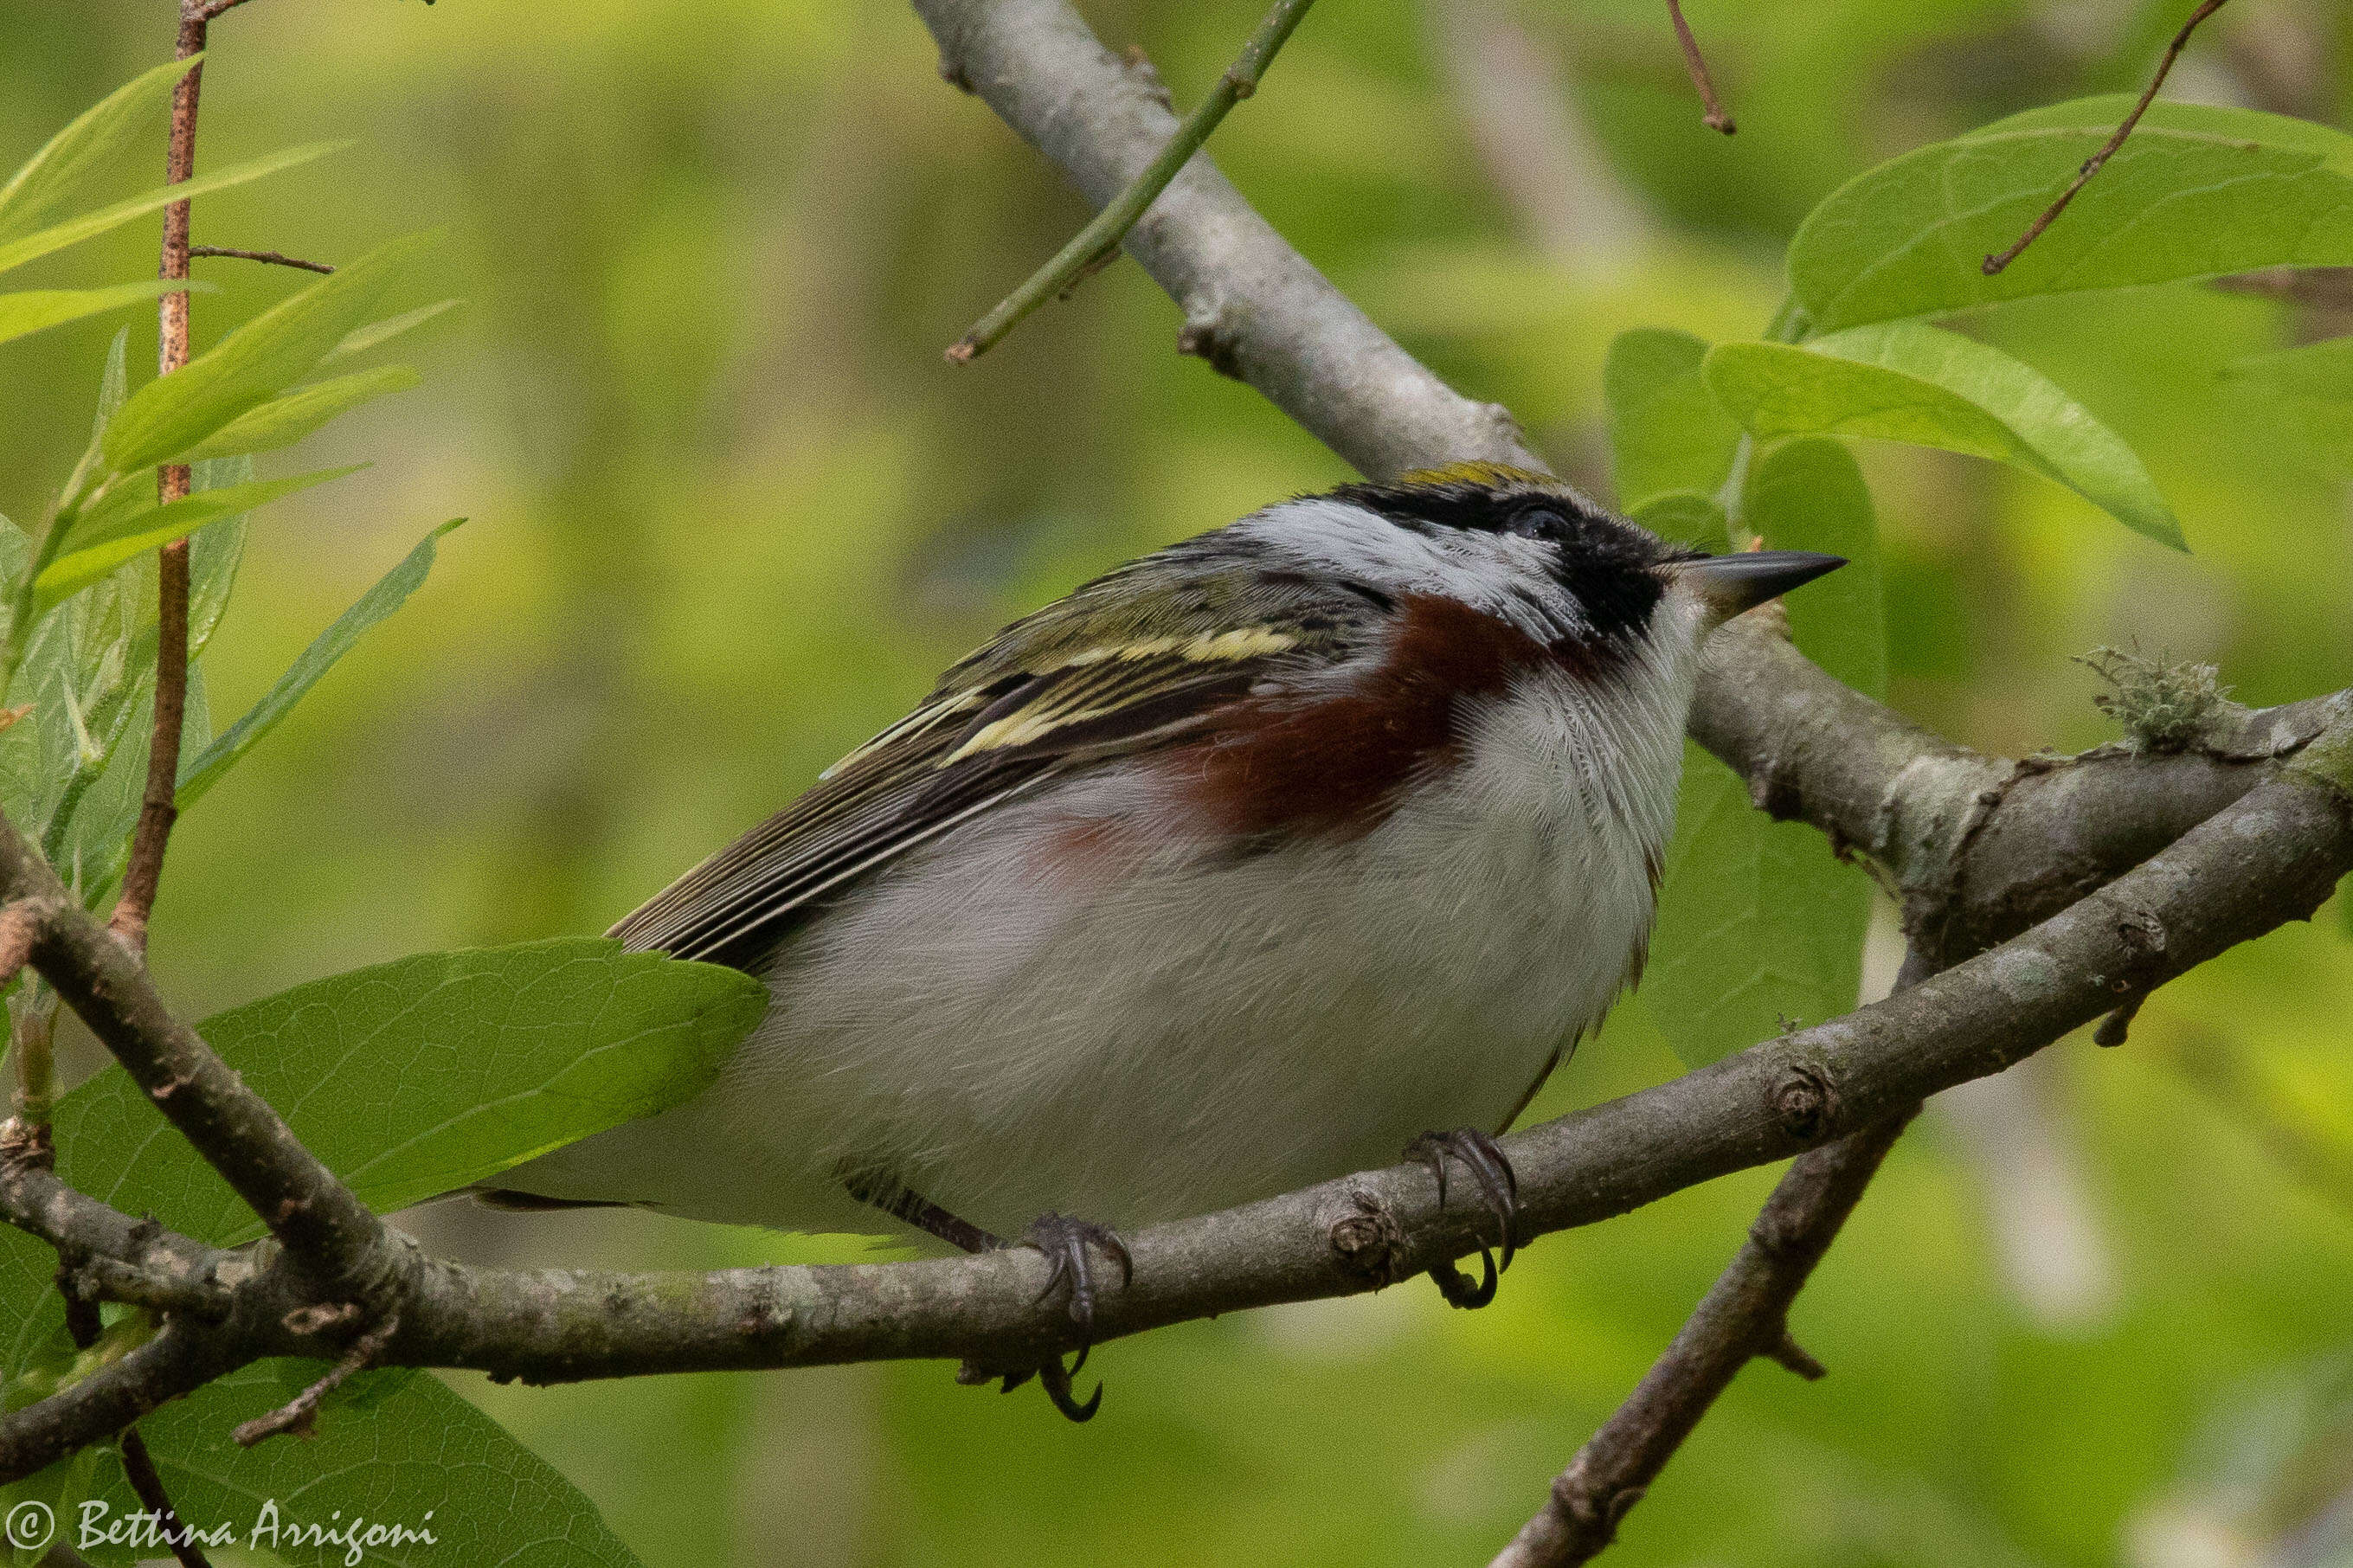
1042	700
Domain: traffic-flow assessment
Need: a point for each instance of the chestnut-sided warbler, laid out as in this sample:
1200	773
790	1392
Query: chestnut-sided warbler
1239	868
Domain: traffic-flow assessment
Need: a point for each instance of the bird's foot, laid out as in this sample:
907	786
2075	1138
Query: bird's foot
1499	1188
1064	1241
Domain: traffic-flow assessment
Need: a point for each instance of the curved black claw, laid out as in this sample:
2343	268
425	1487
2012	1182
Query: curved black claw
1498	1188
1055	1379
1456	1287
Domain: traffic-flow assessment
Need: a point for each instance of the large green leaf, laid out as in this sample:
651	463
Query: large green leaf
282	421
390	591
1906	381
1666	433
1758	922
115	532
423	1075
261	359
2195	192
31	310
54	177
394	1449
73	231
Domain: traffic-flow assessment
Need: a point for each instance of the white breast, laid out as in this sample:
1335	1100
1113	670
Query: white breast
1143	1031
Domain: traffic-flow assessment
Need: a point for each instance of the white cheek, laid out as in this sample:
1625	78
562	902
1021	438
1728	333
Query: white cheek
1507	577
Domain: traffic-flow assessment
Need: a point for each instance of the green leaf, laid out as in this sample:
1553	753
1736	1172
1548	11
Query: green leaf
379	332
215	553
58	173
30	309
1686	517
261	359
1903	381
389	593
1666	433
282	421
2195	192
84	668
88	829
113	534
394	1449
1757	921
114	382
414	1078
73	231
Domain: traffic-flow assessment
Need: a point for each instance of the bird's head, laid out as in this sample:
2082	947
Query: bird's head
1535	554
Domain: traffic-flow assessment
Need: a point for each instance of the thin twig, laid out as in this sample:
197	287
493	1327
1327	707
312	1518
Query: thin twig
2093	164
82	1323
157	810
138	1469
143	872
276	258
1715	118
1094	247
1744	1316
297	1414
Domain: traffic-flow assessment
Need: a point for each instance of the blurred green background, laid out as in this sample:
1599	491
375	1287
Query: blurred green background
730	510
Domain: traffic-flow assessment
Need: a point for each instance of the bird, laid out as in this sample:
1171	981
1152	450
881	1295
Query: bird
1314	838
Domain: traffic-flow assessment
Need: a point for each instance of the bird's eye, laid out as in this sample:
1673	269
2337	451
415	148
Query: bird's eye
1538	522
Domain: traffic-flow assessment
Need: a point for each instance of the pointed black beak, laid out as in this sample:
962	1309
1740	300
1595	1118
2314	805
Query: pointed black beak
1742	582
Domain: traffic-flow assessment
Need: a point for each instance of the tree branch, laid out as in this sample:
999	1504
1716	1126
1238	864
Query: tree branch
316	1217
2275	855
177	1361
1743	1315
1253	306
1094	247
144	871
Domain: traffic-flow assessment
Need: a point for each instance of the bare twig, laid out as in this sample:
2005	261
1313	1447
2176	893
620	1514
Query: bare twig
1715	118
138	1469
83	1326
297	1413
1094	247
276	258
143	872
2093	164
1744	1316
